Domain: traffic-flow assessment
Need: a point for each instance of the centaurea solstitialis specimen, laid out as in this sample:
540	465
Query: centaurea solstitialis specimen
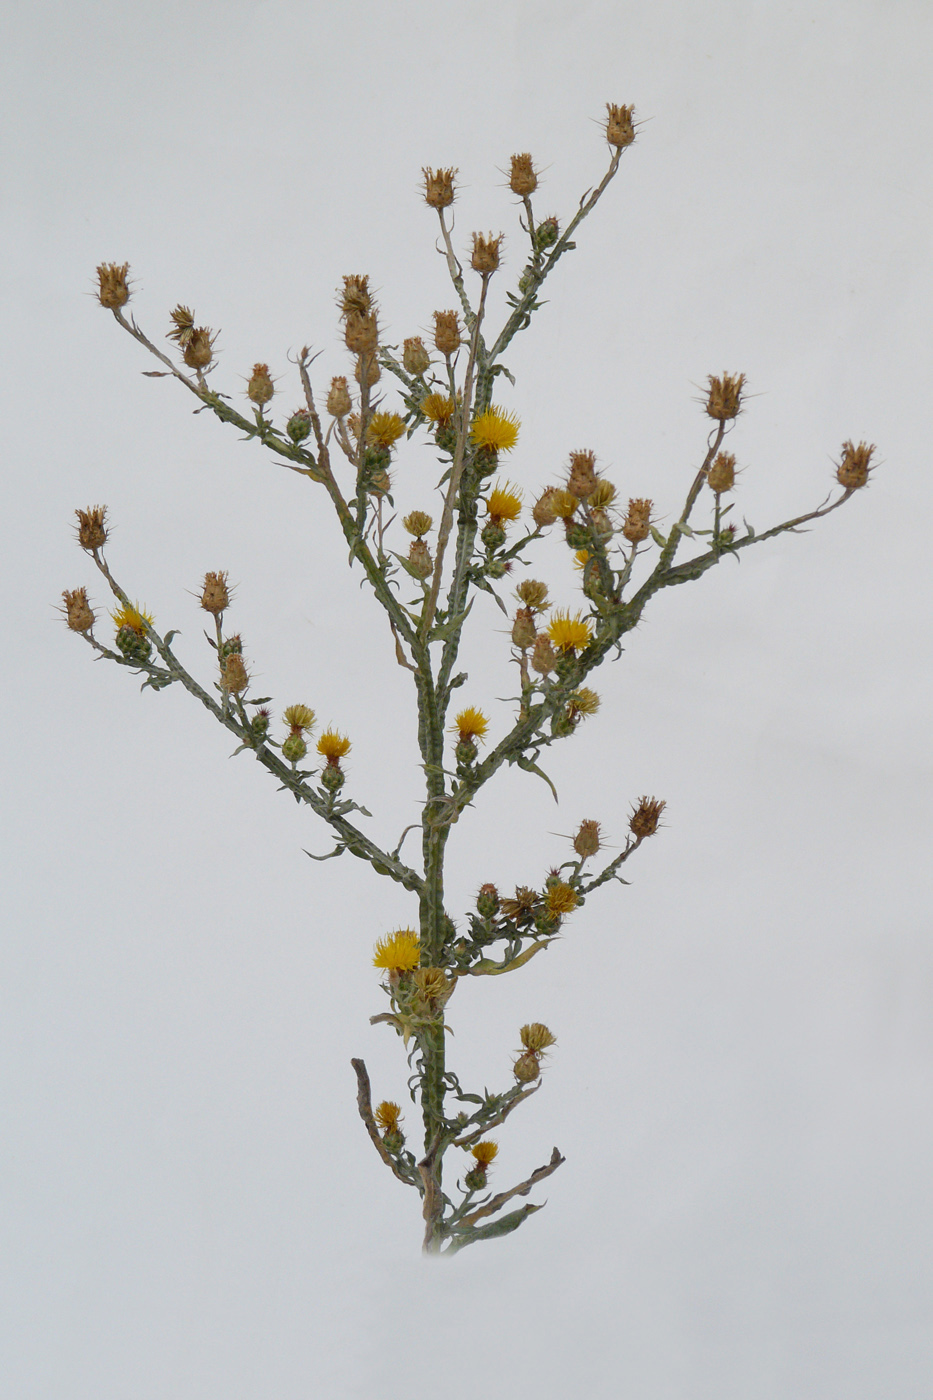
445	391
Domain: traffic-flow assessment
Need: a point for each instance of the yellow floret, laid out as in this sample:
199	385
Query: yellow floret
470	724
569	632
495	430
504	502
399	951
333	746
385	428
132	616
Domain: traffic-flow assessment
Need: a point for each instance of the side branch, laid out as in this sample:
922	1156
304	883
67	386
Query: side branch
365	1105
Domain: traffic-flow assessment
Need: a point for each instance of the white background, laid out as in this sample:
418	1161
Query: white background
742	1082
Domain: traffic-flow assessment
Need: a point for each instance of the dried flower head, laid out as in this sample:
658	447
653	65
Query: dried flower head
385	429
544	657
504	502
92	527
569	632
298	718
373	372
420	558
646	816
79	614
113	289
563	504
603	496
523	906
182	319
439	187
853	471
415	357
333	746
523	179
562	899
485	257
199	349
533	594
388	1116
260	388
418	523
587	842
354	296
620	126
582	480
527	1068
494	430
361	332
446	332
234	677
524	630
215	595
432	987
470	724
536	1037
399	951
582	702
485	1152
637	524
721	475
724	400
543	511
339	402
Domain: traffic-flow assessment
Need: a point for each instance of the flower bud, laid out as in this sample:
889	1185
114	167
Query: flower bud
260	388
853	471
543	511
79	614
438	187
338	399
92	527
485	257
724	401
620	128
493	535
446	332
332	777
487	901
415	357
215	595
260	723
113	291
373	371
547	233
298	426
637	524
526	1068
721	475
524	632
294	748
582	480
522	178
199	348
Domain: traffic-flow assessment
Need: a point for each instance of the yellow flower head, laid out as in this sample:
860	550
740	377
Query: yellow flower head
388	1115
536	1037
385	429
437	408
470	724
562	899
581	558
484	1152
298	718
399	951
569	633
495	430
504	503
333	746
133	617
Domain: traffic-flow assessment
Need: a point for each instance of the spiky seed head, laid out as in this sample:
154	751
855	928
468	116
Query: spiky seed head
398	952
420	559
543	511
79	614
373	372
620	126
533	594
524	631
536	1037
199	348
299	718
446	332
544	657
415	357
234	677
724	401
586	843
418	523
339	402
92	527
646	816
361	332
354	295
637	525
582	480
439	188
485	258
721	475
853	471
523	179
215	595
260	388
523	906
526	1068
113	289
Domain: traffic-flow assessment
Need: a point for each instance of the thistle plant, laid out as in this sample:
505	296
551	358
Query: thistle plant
424	572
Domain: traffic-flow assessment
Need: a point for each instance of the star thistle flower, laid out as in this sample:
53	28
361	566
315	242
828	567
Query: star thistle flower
388	1116
470	724
646	816
437	408
536	1037
562	899
503	503
333	746
113	291
78	612
399	951
385	429
133	618
569	633
485	1152
298	718
495	430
